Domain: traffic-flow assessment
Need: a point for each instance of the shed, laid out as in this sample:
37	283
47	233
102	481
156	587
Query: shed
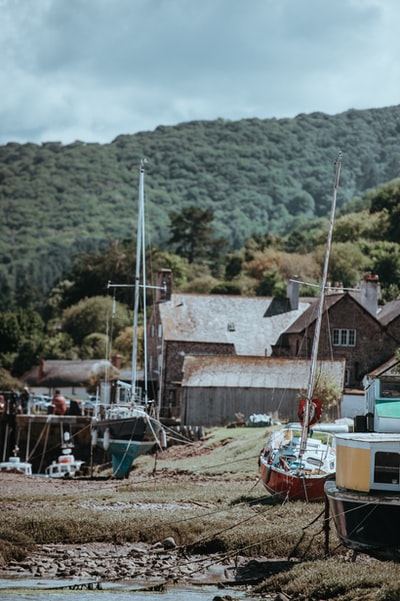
216	387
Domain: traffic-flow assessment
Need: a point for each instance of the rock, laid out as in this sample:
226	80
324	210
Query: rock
168	543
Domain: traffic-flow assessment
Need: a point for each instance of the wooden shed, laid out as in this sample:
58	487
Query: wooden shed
217	387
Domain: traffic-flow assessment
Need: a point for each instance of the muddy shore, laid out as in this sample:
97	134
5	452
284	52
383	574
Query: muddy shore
163	562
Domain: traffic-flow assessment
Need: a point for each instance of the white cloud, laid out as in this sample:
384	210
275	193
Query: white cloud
94	69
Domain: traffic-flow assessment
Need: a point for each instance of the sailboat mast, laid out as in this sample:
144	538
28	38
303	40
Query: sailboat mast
139	237
144	276
315	346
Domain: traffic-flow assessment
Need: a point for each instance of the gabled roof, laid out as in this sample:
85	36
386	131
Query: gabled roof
54	373
241	321
310	315
389	312
255	372
389	368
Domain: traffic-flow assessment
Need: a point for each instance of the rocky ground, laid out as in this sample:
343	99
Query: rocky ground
153	565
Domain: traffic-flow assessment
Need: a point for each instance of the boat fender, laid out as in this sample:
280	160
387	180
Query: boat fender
268	473
94	438
163	439
266	453
106	439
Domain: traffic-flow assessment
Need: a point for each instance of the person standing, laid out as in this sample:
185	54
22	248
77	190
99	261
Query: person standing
59	403
25	400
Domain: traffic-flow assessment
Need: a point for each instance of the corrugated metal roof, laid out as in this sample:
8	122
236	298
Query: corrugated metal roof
255	372
229	319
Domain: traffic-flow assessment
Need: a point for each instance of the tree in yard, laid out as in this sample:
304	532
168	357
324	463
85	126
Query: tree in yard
91	316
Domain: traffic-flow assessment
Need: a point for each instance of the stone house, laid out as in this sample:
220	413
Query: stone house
353	328
183	325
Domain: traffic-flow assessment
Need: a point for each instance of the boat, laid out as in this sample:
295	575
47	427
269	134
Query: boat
294	463
14	465
364	497
124	422
66	465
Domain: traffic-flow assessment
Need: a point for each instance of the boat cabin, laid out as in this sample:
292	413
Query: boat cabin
382	394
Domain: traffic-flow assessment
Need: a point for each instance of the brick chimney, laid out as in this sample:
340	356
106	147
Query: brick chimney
370	292
164	285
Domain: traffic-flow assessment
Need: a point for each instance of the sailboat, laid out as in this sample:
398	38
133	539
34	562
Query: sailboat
294	465
124	425
364	498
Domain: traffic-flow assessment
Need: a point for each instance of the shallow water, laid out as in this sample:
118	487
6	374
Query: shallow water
50	590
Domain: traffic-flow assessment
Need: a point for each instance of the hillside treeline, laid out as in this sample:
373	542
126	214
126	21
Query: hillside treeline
258	178
81	320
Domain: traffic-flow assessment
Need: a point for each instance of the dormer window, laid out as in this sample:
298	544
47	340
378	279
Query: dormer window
231	326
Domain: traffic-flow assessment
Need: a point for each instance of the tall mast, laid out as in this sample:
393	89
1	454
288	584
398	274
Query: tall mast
315	346
144	287
139	246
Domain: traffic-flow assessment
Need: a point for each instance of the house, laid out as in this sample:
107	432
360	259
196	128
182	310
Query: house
389	317
70	377
217	325
216	388
352	329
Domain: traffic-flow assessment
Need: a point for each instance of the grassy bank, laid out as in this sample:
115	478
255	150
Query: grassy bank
208	497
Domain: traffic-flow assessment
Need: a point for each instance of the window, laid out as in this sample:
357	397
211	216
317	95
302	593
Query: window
387	468
389	388
343	337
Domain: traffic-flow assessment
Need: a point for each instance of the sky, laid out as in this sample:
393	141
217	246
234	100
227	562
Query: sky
91	70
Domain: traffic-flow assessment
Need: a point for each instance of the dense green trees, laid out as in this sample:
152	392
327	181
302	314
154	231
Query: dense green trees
257	177
21	339
231	208
95	315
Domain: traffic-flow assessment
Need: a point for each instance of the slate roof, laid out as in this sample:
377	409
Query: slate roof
242	321
310	315
389	312
255	372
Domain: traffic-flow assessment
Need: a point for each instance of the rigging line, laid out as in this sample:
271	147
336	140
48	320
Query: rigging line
234	552
123	457
53	448
327	287
45	445
39	437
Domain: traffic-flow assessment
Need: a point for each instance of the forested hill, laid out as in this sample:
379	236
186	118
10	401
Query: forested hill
255	175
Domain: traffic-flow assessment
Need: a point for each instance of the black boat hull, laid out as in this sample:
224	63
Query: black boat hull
366	522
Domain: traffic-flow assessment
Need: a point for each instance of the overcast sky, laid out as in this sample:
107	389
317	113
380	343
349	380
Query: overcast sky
91	70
